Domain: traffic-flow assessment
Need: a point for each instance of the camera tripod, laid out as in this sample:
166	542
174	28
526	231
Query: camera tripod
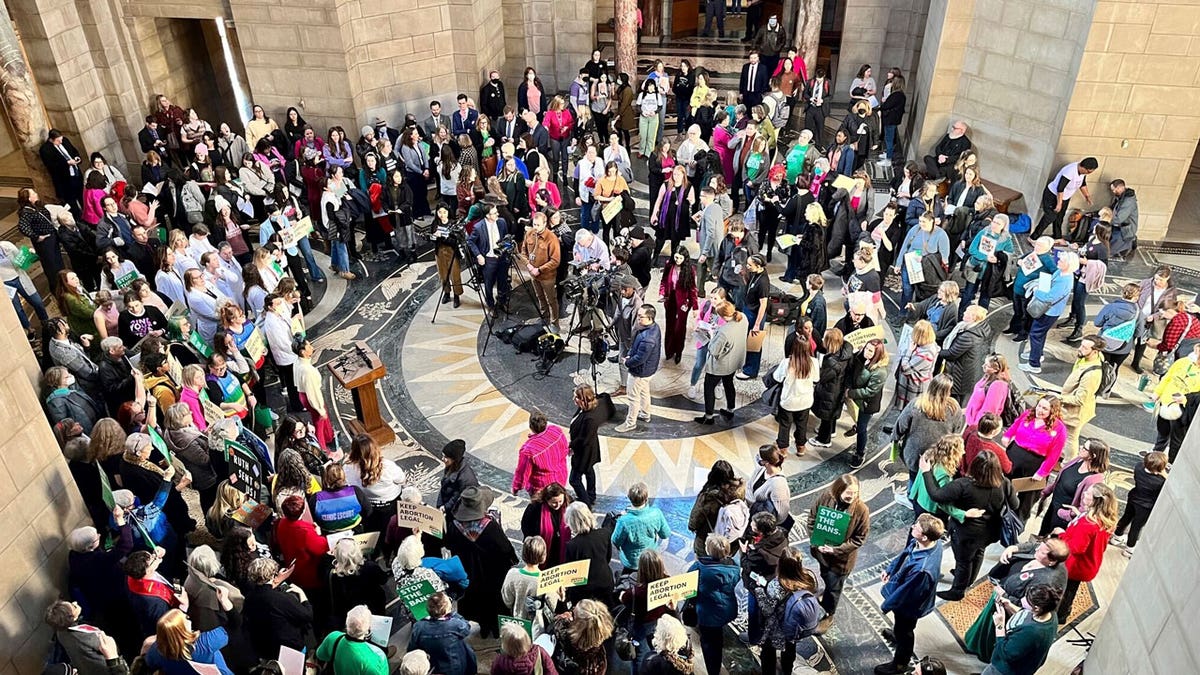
474	281
588	319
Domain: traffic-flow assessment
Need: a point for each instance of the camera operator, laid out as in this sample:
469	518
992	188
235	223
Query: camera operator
542	259
483	243
590	251
625	321
641	255
446	252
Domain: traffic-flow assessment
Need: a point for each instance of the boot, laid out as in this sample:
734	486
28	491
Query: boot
1139	350
1075	336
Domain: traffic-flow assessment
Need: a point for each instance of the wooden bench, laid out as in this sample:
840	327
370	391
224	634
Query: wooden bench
1003	197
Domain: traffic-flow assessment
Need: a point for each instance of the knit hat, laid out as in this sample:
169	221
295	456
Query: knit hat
455	449
367	130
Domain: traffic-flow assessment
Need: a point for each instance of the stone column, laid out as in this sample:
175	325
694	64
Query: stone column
863	30
808	31
22	103
626	36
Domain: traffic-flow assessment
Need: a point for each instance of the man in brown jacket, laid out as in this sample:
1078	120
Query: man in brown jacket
542	258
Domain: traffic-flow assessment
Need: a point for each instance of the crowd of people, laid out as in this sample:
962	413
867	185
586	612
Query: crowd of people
178	366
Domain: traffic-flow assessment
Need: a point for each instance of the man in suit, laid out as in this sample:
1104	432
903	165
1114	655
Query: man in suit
541	137
63	162
436	119
464	119
149	138
510	127
482	243
753	82
712	230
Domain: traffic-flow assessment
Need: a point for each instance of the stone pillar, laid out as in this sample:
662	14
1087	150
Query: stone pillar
626	36
864	28
22	103
39	506
934	89
808	31
1150	621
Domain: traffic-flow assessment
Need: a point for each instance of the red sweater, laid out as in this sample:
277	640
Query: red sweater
298	540
1087	543
973	444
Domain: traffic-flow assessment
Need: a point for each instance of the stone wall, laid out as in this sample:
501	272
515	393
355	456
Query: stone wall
1136	105
39	506
864	29
555	37
933	90
179	66
1152	618
903	39
1017	76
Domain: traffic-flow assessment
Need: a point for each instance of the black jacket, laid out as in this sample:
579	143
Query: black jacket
763	556
963	493
944	325
116	379
492	100
595	546
964	357
56	163
891	111
641	259
585	441
952	148
274	617
830	391
453	485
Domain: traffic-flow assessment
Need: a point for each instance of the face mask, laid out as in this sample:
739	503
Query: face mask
69	380
772	23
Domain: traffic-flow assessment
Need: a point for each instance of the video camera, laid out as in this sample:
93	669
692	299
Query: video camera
506	246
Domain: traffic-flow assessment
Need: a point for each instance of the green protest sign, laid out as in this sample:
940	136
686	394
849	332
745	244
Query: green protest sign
525	625
831	527
157	441
414	596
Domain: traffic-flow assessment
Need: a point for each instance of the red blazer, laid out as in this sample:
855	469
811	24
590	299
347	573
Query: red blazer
684	300
1087	543
298	540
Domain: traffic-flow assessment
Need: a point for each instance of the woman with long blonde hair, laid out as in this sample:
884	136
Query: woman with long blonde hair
581	635
927	418
176	646
915	368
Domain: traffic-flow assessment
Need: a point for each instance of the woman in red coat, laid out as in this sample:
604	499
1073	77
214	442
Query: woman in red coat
678	294
299	543
1087	537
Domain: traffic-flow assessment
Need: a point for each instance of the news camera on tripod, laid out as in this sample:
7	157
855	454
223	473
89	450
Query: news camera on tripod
450	251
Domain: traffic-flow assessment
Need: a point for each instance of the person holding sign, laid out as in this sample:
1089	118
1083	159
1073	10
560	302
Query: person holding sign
925	239
839	522
1029	268
187	443
117	273
594	544
443	636
783	611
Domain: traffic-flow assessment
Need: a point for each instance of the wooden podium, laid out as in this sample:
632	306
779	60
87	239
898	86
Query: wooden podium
357	369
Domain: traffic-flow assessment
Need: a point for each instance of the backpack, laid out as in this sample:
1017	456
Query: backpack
778	110
1108	377
1014	406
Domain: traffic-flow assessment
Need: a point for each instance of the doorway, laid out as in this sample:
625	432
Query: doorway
1185	220
188	63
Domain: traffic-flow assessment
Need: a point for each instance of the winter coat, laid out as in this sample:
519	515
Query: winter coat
864	385
1114	314
845	555
445	641
914	371
645	352
918	433
964	357
639	530
702	521
830	392
727	349
784	616
912	581
716	602
762	556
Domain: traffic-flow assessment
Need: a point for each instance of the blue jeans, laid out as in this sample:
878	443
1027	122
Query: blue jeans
34	299
1037	338
698	366
339	256
864	420
585	218
753	359
314	270
969	295
906	290
889	141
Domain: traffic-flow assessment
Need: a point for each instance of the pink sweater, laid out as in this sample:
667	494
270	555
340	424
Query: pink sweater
192	399
1035	438
986	399
542	461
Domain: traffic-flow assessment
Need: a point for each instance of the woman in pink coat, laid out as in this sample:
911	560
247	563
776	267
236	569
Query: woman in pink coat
720	141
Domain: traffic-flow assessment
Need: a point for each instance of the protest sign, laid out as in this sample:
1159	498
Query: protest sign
427	519
830	528
567	574
678	587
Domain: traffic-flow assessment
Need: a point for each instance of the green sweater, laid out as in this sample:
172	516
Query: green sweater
354	657
1024	649
920	495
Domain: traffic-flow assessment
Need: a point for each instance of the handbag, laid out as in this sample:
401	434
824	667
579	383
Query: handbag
1011	524
772	391
1169	411
1037	307
1162	362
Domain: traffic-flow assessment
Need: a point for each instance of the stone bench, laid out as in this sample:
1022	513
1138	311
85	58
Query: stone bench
1004	198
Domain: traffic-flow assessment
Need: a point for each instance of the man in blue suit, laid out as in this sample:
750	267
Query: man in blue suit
482	242
464	119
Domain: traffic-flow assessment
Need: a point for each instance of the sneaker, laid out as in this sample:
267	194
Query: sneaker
1030	368
800	451
625	428
694	394
857	461
1117	540
1128	552
819	444
1008	331
644	418
1020	337
744	377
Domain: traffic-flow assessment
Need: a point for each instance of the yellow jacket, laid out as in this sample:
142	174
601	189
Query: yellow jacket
1079	391
1183	377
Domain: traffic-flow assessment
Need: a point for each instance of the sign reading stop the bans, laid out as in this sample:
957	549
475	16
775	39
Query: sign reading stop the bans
420	517
415	596
524	624
567	574
831	527
678	587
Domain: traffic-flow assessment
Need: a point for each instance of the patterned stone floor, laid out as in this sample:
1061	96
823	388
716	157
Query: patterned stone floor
442	385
